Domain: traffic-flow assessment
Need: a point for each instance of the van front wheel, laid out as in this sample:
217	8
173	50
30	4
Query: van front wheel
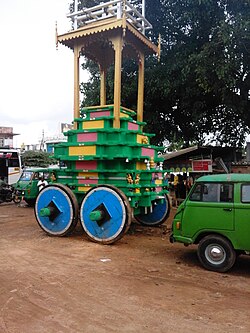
216	253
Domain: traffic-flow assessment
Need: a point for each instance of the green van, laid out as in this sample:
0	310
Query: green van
27	184
216	216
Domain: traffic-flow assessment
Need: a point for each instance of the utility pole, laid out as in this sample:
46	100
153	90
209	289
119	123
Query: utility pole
42	142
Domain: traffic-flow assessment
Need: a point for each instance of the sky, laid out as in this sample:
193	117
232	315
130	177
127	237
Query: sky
36	80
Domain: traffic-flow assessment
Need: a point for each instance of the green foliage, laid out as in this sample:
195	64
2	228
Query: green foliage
200	88
37	159
206	63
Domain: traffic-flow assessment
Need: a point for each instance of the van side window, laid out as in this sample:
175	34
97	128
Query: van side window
196	194
46	175
213	192
226	192
245	193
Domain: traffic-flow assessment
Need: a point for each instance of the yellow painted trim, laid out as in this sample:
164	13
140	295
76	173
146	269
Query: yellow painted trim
90	29
88	174
143	38
76	84
103	87
139	138
141	166
126	109
140	96
118	44
124	115
93	124
83	150
105	25
84	188
159	48
99	106
123	108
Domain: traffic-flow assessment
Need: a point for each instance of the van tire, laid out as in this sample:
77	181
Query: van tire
30	202
216	253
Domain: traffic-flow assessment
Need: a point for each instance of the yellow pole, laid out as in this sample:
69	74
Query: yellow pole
103	86
117	84
140	97
76	84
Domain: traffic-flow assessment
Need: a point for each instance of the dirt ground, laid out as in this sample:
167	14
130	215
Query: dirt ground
140	284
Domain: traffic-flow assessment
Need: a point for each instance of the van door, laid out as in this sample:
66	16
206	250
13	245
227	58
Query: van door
242	218
210	206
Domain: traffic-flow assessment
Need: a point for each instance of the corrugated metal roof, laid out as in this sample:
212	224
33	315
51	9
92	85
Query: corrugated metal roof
179	152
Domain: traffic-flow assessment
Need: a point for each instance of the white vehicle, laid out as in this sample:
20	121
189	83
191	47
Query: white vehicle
10	165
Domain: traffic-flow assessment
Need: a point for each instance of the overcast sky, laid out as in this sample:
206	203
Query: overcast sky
36	80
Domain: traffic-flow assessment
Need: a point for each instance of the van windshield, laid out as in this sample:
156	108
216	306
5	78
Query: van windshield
26	176
212	192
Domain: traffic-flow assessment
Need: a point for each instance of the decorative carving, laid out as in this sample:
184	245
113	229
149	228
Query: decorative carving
129	178
145	140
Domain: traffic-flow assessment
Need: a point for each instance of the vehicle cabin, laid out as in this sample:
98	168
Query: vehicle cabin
28	182
10	165
216	216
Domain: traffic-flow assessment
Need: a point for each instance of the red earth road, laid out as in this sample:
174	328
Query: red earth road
140	284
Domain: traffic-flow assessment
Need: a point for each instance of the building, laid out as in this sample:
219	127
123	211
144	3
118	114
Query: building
190	163
202	159
6	137
47	142
243	166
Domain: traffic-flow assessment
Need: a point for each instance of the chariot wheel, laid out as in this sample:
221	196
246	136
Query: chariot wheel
105	214
158	215
56	210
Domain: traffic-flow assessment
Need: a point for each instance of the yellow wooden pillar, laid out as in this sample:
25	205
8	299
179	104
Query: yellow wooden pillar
103	73
118	43
76	84
140	97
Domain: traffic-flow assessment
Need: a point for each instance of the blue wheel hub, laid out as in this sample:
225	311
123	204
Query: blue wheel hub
56	210
157	216
104	214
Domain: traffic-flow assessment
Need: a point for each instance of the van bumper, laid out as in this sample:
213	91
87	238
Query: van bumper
180	239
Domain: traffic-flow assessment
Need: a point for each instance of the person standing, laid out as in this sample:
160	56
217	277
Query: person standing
41	183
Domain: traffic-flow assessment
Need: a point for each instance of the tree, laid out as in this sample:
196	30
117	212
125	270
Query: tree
200	88
223	70
37	159
203	96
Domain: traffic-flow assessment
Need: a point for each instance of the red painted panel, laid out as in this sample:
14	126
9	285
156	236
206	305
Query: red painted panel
88	181
133	126
87	137
86	165
148	152
99	114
